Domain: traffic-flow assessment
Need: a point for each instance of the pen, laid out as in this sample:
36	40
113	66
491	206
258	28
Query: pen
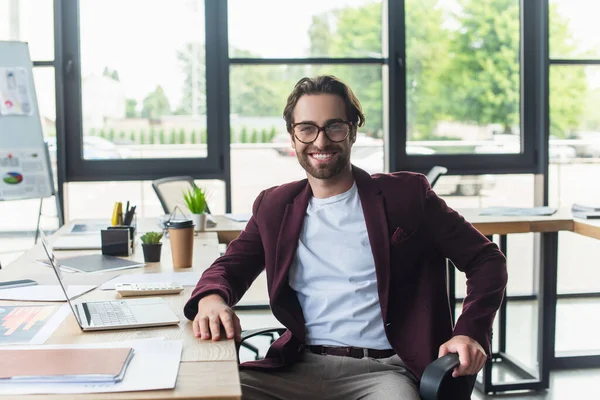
127	207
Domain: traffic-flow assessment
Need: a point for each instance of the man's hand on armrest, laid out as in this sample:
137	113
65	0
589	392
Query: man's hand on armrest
213	313
470	353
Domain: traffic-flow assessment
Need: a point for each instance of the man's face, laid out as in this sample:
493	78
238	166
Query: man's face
322	159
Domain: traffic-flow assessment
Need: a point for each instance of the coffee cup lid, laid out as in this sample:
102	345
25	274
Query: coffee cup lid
179	223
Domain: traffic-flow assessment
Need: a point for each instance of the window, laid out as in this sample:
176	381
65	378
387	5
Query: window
138	104
574	29
463	77
311	28
143	81
326	39
29	21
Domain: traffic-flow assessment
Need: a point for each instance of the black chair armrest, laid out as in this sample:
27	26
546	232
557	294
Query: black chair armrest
263	331
257	332
437	382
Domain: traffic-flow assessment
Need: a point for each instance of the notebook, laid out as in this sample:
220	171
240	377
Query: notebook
95	263
64	365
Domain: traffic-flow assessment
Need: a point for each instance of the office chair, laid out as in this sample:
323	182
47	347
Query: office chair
169	191
436	383
435	173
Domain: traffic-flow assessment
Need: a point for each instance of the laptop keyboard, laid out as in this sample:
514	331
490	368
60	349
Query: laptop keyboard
110	313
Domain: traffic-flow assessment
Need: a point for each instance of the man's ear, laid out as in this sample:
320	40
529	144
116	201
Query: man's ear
353	135
292	141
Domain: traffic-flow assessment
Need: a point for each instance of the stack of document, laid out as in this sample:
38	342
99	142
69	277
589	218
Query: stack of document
64	365
586	211
518	211
154	366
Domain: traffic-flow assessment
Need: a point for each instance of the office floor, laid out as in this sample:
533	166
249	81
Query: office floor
578	324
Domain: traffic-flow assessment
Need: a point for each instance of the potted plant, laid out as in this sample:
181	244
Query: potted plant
195	200
151	246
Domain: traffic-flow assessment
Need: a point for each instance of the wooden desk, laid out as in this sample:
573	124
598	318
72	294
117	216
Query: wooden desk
207	369
226	228
562	220
587	227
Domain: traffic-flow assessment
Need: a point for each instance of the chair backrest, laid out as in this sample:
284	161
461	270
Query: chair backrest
435	173
169	191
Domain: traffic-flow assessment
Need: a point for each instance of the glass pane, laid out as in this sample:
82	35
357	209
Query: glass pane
575	157
574	31
463	76
29	21
311	28
44	80
143	80
96	199
577	325
261	154
479	191
574	118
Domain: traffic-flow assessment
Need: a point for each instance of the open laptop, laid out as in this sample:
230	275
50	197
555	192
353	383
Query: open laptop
114	314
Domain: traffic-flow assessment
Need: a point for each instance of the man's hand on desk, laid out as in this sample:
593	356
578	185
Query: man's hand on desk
213	313
470	353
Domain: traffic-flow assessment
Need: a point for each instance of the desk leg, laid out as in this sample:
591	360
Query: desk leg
529	380
547	305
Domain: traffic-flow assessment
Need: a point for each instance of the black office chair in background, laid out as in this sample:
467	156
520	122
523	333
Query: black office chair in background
436	383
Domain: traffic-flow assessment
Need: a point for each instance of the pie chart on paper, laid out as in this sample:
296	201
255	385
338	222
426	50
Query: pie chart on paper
12	178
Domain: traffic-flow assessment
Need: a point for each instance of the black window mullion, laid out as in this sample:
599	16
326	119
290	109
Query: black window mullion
397	134
304	61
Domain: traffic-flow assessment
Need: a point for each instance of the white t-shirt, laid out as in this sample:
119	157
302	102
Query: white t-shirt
333	274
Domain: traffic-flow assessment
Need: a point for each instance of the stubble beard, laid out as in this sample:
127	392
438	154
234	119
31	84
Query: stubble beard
325	170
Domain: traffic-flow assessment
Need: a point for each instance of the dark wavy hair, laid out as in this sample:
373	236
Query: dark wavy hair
324	84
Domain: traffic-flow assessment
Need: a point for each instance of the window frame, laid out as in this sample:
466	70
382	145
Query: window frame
534	109
79	169
466	164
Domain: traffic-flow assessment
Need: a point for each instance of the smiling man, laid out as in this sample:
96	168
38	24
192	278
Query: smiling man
356	270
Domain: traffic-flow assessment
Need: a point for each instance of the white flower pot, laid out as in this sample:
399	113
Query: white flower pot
199	222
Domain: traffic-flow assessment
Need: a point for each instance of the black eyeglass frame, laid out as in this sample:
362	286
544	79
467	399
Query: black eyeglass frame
324	129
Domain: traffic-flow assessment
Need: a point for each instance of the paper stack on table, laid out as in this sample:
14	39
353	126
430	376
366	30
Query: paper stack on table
154	365
64	365
44	292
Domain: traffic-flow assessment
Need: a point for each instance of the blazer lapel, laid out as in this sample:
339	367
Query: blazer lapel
287	240
373	205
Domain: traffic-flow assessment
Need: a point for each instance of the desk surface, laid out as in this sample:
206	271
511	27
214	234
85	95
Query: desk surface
562	220
207	369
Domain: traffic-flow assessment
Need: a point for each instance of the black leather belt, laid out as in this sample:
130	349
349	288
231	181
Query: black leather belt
354	352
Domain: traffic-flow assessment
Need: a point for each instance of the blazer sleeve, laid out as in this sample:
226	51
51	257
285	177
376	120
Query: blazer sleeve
472	253
233	273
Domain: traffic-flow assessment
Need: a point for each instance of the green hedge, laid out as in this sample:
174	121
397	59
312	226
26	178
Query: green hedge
182	136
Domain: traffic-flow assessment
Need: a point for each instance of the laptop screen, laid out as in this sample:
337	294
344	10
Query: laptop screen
58	273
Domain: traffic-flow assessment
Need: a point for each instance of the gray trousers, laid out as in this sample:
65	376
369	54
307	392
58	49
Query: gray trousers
333	377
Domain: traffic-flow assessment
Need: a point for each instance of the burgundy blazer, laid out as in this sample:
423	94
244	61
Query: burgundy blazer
411	231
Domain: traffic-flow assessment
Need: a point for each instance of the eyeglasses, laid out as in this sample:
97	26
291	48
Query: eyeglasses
307	132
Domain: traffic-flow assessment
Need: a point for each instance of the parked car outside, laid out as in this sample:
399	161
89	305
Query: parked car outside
94	148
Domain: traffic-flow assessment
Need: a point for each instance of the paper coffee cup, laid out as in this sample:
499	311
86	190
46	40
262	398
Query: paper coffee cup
181	236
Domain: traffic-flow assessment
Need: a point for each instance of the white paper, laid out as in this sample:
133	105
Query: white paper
44	292
239	217
23	174
183	278
15	95
154	366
